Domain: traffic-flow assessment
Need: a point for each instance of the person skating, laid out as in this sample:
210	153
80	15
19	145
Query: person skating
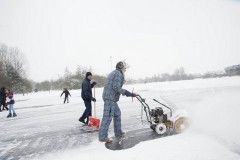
67	93
111	94
11	102
87	97
3	96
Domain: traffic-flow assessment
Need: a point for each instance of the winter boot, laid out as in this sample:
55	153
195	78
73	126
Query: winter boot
9	115
107	140
14	114
81	120
122	135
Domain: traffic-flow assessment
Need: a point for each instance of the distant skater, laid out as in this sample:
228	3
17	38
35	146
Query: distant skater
67	93
11	102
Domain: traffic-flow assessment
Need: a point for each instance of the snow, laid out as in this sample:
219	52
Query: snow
47	129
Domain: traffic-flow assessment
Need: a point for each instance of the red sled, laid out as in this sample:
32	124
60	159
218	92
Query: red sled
93	122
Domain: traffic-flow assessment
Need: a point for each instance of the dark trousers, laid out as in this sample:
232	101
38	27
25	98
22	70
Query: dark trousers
66	99
4	105
87	112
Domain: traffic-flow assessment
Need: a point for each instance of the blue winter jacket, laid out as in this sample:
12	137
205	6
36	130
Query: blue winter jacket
113	86
86	90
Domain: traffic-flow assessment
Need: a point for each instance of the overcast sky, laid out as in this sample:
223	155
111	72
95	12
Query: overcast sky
153	36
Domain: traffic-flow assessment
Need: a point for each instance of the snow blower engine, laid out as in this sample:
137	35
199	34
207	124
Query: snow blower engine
164	122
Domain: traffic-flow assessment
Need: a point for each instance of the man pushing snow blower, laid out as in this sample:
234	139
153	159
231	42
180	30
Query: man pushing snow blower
162	121
111	94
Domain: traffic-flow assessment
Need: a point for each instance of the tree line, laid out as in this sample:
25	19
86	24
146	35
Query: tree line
180	74
13	74
74	80
69	80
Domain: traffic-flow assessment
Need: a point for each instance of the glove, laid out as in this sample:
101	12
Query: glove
93	99
134	95
93	83
129	94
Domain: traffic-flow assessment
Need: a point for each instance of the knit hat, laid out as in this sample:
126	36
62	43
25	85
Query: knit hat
122	65
88	74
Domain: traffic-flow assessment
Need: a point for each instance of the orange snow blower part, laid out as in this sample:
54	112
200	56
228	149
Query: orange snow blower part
93	121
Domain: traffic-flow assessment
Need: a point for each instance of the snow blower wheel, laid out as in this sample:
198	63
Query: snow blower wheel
161	128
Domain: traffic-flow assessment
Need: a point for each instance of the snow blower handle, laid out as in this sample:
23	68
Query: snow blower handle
94	95
164	106
145	106
140	98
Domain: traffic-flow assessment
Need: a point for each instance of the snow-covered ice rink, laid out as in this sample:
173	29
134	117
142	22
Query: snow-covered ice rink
47	129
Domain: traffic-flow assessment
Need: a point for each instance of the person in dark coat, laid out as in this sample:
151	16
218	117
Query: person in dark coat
87	97
67	93
3	97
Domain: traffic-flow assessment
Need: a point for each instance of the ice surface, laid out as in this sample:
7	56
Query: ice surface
47	129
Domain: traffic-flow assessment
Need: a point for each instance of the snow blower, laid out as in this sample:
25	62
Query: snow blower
93	121
164	122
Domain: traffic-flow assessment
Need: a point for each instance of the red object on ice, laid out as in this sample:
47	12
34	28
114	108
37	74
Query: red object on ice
93	122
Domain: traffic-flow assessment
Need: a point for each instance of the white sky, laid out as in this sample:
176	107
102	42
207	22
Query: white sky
153	36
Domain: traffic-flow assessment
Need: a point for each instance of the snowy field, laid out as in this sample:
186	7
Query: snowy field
47	129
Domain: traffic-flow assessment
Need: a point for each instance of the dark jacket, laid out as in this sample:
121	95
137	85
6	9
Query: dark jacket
86	90
66	92
3	95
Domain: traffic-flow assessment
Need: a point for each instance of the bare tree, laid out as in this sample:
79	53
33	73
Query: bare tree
12	69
